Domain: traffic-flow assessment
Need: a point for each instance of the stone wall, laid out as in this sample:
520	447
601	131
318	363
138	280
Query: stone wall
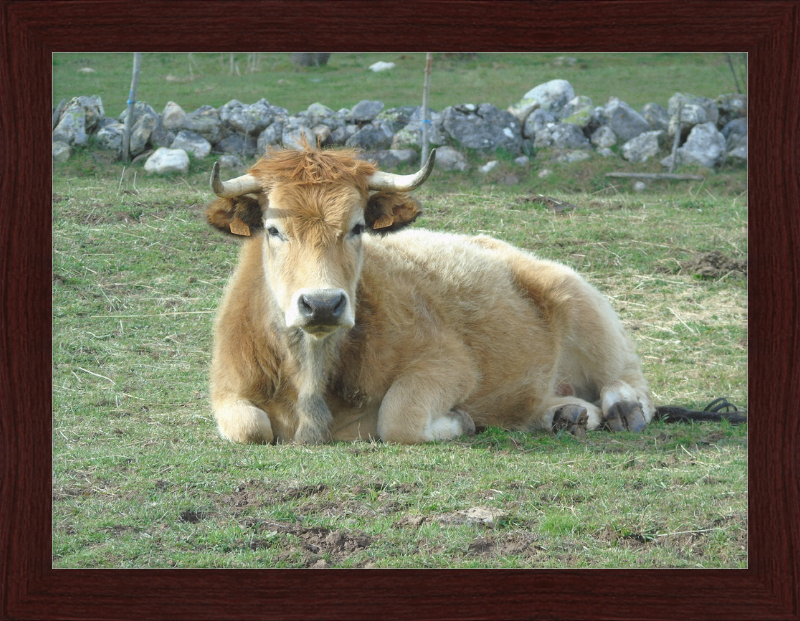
549	119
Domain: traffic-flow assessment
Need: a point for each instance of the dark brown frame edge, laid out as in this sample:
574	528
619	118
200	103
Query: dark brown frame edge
31	30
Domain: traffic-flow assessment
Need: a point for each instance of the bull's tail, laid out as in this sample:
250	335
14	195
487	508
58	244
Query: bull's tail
716	411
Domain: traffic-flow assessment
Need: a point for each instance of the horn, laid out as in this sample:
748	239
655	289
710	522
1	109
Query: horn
235	187
402	183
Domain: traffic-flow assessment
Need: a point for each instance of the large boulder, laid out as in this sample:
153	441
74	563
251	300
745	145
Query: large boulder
704	146
622	119
79	117
172	116
578	111
247	119
730	106
372	137
483	127
110	137
192	143
604	137
656	116
364	111
537	121
165	161
205	121
644	146
448	158
551	96
694	111
561	136
61	151
140	133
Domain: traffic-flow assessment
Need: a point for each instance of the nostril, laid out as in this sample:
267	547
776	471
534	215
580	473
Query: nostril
306	306
339	305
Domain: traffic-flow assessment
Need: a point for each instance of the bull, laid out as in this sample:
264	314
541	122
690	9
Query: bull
340	323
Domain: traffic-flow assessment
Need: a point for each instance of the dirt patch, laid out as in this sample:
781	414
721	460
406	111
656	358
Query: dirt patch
510	545
714	264
306	546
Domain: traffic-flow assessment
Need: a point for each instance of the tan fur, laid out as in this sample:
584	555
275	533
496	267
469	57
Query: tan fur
444	324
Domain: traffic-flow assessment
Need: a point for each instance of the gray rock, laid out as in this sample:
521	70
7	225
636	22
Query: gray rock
738	154
561	136
192	143
704	146
447	158
92	110
61	151
248	119
371	137
551	96
338	136
205	121
656	116
172	116
364	111
110	137
604	137
165	161
735	129
71	129
483	127
398	118
272	135
537	121
639	186
317	111
578	111
140	133
694	111
605	152
238	144
522	160
489	166
139	108
161	136
730	106
644	146
623	120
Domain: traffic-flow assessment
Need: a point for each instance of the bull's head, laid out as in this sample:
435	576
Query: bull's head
314	207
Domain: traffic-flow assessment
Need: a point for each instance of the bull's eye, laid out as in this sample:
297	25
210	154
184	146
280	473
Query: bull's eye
273	232
357	230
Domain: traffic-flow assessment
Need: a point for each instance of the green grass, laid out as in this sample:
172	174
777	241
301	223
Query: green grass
141	478
500	79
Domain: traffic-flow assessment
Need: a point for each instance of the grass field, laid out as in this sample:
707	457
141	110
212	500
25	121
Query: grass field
141	478
499	79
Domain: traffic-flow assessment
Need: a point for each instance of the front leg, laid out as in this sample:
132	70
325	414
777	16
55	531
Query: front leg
314	420
239	420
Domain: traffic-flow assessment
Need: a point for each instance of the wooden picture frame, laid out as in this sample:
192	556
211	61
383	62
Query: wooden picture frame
768	30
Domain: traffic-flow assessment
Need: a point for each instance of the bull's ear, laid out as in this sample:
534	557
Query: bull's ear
240	215
388	212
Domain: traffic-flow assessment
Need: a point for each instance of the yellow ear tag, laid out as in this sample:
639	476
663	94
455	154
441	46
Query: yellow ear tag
239	228
383	222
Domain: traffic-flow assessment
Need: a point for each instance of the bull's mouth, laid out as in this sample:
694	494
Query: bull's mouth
320	331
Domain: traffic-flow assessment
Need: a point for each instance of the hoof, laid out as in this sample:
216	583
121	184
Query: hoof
572	418
467	424
309	434
625	416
